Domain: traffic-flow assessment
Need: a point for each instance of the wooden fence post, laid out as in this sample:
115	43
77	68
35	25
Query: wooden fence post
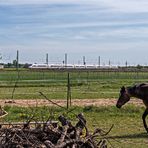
68	91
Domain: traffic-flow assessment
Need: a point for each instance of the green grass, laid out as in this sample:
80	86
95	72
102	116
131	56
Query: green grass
84	84
128	128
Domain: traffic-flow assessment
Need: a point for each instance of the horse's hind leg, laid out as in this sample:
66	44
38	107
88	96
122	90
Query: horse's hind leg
143	118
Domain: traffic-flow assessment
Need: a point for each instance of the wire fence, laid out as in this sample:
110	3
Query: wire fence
25	84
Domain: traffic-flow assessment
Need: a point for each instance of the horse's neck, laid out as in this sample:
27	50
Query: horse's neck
133	92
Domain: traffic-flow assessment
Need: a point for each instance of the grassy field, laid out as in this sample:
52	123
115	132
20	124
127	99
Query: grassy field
84	84
128	131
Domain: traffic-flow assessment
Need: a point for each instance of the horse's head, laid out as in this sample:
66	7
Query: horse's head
123	98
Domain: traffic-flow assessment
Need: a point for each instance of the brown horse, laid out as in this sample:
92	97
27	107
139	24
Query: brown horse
139	91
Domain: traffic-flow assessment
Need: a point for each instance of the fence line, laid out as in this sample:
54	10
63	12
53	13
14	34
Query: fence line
102	84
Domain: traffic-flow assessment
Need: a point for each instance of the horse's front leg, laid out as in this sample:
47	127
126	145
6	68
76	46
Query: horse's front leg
143	118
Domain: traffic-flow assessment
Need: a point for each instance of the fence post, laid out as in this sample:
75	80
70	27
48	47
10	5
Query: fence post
68	91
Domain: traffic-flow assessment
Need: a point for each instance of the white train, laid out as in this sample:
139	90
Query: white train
69	66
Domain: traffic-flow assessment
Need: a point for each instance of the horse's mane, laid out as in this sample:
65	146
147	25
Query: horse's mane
136	86
136	89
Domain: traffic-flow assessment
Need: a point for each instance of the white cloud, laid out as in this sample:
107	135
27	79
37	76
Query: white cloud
46	1
127	5
114	5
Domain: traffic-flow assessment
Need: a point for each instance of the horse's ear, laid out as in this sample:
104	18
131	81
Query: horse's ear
122	88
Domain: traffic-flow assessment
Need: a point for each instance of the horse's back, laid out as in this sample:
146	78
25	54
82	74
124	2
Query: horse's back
142	90
142	85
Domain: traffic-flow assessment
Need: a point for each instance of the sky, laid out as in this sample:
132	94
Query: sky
115	30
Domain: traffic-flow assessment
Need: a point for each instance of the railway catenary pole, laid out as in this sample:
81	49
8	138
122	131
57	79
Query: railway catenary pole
126	64
17	60
99	60
47	58
65	59
84	62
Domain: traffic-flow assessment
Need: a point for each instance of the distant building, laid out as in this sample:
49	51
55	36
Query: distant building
1	66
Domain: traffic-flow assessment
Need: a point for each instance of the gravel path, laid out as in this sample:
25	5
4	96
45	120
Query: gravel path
75	102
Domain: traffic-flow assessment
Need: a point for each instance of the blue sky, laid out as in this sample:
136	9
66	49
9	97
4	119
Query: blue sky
113	29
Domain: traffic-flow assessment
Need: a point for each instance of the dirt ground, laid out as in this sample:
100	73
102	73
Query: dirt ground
75	102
